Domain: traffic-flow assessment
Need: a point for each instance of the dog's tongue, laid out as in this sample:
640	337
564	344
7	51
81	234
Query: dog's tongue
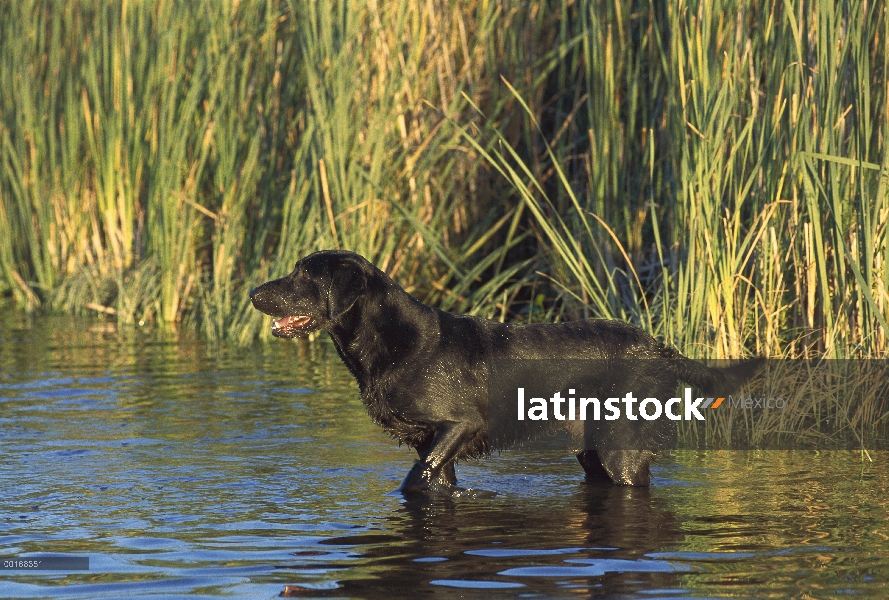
291	321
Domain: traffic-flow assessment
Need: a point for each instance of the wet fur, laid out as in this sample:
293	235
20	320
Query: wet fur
422	372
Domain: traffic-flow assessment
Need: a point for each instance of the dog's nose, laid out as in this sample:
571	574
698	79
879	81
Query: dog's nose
252	293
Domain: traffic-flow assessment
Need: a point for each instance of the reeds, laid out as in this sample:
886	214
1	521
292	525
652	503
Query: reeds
715	172
160	160
718	176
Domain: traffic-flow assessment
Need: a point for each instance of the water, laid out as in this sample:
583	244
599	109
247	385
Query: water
183	470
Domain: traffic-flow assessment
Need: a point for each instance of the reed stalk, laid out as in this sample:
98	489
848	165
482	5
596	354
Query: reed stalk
715	172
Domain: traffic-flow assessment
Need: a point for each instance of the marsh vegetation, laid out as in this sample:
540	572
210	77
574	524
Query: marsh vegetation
714	172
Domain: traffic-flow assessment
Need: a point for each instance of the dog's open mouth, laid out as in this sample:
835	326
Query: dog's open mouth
292	326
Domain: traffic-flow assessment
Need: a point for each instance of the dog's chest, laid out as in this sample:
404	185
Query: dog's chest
407	431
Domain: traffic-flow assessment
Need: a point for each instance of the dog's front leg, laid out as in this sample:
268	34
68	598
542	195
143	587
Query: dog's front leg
437	459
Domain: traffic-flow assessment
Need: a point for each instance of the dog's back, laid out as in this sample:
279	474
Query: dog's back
424	373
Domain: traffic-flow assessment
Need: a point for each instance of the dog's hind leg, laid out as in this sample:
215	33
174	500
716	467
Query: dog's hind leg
627	467
589	460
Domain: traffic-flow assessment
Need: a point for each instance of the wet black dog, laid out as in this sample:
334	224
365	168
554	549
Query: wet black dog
423	372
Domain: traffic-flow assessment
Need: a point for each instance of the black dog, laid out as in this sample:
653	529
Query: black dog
423	372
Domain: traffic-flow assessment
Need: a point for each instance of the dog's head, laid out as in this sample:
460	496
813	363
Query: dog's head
322	288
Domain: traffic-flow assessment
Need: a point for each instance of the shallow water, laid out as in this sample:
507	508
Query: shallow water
185	470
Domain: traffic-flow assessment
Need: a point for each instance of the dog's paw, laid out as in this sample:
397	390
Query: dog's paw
423	480
418	478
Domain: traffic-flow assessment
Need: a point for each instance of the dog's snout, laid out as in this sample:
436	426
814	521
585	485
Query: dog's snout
258	295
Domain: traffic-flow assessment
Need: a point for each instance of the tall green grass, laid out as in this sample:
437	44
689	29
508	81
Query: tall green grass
158	160
718	174
715	172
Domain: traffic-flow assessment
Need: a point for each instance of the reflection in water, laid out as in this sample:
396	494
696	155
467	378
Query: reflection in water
473	544
186	470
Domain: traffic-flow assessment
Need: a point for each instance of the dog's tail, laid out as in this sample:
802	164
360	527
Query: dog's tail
715	380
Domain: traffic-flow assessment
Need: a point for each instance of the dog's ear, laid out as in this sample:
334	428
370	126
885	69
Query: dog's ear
348	282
